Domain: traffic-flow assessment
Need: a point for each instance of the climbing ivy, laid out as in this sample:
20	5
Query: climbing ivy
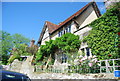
103	39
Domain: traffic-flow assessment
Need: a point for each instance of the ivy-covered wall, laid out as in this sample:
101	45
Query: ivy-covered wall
103	38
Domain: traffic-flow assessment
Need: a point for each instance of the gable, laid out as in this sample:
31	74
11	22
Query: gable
45	36
83	17
47	29
79	13
87	17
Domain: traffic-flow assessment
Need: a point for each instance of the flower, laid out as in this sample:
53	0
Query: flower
80	60
90	64
84	58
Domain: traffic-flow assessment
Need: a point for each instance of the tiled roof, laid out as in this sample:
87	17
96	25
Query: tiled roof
53	27
74	15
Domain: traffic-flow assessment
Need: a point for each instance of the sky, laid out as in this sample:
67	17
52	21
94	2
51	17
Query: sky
28	18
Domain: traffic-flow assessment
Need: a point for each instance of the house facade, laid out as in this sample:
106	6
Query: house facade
76	24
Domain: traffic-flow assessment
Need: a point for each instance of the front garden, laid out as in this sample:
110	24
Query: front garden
103	40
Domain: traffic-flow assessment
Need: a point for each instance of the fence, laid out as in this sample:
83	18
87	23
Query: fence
106	66
70	69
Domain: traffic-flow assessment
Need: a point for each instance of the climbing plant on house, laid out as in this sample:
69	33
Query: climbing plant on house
66	43
102	37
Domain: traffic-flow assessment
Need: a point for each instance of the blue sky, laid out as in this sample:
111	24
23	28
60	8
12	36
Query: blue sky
27	18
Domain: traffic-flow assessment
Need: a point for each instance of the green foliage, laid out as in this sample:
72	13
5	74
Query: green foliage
91	63
38	55
18	39
23	50
101	39
0	62
67	43
5	39
13	57
7	42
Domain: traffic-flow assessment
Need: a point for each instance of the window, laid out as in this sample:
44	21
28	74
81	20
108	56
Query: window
67	29
64	58
88	51
60	33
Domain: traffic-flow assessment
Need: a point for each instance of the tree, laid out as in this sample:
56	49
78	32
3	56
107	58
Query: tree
18	39
67	43
5	39
8	42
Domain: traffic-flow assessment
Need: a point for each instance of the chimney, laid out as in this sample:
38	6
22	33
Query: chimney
32	43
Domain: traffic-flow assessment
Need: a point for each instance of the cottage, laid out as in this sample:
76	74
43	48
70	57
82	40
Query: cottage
76	24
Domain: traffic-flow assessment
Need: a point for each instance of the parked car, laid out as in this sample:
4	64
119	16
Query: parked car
13	76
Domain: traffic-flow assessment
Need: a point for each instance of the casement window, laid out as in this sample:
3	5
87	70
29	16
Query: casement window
87	51
60	33
64	58
64	31
69	28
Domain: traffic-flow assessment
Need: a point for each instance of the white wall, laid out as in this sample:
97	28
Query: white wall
87	17
46	34
43	41
45	37
54	36
73	27
82	31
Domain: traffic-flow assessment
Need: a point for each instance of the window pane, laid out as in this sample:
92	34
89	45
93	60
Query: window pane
64	58
87	51
69	28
